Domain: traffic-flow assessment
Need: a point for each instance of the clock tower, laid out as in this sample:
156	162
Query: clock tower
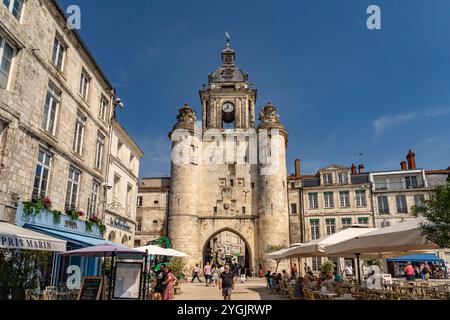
228	101
233	192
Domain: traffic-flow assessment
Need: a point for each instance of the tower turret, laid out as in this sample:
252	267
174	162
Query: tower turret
183	201
273	212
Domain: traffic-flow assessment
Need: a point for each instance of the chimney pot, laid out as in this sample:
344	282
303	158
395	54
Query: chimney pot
297	168
361	168
411	157
353	168
403	165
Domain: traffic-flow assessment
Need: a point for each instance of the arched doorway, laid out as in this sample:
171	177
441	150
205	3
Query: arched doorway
227	246
112	236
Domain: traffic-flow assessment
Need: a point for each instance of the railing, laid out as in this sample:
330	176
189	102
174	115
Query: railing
399	186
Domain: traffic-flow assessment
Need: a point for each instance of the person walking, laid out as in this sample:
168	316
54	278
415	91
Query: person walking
207	271
348	270
294	271
215	276
243	273
169	283
195	274
226	283
410	272
158	290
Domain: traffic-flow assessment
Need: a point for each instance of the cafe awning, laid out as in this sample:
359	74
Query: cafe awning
13	237
82	241
419	257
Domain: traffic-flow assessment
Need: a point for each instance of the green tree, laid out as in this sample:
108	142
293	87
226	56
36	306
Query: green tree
436	209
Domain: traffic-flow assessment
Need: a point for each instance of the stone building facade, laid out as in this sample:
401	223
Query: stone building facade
55	112
152	210
122	186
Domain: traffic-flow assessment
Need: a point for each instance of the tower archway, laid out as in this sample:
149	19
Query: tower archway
227	246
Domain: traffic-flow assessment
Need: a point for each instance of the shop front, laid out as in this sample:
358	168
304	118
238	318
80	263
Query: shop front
77	233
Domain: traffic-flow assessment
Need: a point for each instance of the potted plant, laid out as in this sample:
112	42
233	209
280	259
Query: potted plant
328	267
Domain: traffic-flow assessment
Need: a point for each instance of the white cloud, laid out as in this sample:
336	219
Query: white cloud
384	122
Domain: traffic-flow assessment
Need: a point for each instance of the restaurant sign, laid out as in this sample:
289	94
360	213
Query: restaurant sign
119	223
29	244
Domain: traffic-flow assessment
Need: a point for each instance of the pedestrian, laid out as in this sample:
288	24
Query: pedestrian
169	283
261	272
243	273
221	269
267	275
158	290
195	274
226	283
294	271
348	270
298	288
409	272
215	276
285	276
207	273
427	271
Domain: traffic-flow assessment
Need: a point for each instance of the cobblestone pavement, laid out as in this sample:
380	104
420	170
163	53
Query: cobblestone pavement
253	289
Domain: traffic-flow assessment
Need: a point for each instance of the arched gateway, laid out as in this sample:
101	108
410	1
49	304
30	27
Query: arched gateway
228	246
226	190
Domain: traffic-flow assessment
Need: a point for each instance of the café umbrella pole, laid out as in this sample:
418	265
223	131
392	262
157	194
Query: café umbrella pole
358	267
144	286
111	276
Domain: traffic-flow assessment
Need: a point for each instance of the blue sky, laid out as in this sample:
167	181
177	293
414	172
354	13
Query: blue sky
340	89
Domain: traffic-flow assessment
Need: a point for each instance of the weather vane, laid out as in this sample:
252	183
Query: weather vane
228	36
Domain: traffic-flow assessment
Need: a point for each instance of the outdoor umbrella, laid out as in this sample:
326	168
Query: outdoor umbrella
103	250
155	251
280	254
319	247
399	238
108	250
175	253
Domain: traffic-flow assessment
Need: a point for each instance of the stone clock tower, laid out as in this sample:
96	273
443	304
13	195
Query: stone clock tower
231	190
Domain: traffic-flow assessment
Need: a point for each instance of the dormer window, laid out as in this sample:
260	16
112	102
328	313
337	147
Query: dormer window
328	178
342	177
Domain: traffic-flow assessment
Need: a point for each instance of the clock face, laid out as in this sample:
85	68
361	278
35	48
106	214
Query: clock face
228	107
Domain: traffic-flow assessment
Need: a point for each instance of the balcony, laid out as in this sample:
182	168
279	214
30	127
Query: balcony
399	186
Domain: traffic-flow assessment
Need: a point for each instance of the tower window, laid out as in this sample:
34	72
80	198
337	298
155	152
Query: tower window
243	210
232	182
215	209
253	185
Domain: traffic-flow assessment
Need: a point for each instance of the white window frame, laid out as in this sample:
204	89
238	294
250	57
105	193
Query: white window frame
139	201
411	182
73	188
11	8
316	263
104	108
328	199
419	200
331	227
344	199
405	203
328	181
313	200
56	55
80	127
55	95
44	165
361	199
95	194
99	150
342	175
3	43
315	228
382	209
85	81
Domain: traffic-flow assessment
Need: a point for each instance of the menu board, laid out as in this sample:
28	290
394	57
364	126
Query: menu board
91	289
127	282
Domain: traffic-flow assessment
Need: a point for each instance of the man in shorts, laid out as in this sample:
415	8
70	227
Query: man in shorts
226	283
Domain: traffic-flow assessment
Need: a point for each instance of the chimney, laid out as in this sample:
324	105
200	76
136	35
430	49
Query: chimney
411	157
403	165
353	168
361	168
297	168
